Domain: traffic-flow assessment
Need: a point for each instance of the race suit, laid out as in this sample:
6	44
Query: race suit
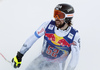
57	45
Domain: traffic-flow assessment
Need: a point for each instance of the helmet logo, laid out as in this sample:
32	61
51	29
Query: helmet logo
58	7
69	9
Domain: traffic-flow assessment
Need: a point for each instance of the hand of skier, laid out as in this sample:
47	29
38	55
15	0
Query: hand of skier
16	61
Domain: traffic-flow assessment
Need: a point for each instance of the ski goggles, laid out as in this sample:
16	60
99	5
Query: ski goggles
61	15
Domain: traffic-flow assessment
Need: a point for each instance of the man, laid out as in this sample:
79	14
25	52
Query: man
60	38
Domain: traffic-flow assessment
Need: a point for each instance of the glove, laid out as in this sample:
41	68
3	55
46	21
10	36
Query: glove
16	61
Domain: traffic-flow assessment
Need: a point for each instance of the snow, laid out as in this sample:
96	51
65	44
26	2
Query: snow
20	18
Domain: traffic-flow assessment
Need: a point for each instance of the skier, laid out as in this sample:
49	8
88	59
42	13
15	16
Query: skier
60	39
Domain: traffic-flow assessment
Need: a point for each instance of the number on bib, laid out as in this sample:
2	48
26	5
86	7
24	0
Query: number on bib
52	51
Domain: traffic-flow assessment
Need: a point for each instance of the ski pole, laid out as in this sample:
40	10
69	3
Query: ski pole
5	58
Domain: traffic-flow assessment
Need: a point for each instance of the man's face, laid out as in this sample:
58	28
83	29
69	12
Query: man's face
59	22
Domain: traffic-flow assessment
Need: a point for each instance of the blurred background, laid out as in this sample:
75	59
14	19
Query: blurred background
20	18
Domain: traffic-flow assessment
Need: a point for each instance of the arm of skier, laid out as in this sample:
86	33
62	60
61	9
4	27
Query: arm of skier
75	53
28	44
32	39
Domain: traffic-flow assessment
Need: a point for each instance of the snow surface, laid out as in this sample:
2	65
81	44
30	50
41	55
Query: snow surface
20	18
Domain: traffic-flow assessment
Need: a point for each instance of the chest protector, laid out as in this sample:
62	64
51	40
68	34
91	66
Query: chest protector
55	46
